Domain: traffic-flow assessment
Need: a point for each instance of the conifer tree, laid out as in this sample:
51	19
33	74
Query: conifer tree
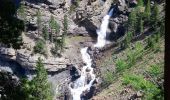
148	10
38	88
141	26
155	17
132	20
55	28
45	33
22	14
65	24
140	3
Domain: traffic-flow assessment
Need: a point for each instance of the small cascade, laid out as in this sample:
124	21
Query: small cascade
101	39
81	84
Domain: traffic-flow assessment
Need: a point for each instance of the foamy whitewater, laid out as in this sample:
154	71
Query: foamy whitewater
81	84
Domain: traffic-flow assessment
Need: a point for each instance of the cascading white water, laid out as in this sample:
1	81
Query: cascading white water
101	39
81	84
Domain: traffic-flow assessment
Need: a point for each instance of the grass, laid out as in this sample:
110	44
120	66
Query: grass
108	78
150	90
121	65
155	70
136	60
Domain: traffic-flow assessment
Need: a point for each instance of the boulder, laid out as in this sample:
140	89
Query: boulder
8	53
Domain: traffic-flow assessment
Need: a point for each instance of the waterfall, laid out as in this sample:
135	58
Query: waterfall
81	84
101	39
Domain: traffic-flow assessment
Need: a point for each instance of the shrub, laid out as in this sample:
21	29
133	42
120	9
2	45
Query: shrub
120	65
136	53
152	42
45	33
155	70
132	20
140	2
40	47
107	78
148	10
38	88
54	26
155	18
138	82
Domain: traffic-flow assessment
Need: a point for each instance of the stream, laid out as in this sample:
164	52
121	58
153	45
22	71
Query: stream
83	84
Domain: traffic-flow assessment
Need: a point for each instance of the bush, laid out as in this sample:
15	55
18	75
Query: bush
38	88
132	20
148	10
136	53
107	78
40	47
155	70
45	33
140	2
120	65
152	42
138	82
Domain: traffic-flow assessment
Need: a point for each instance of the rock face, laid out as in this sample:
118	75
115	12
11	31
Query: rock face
83	20
24	58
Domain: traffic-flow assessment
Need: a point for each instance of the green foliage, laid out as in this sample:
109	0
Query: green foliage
10	87
65	24
152	42
155	18
155	70
141	28
148	10
132	22
120	65
140	2
136	53
38	88
128	39
138	82
40	47
10	27
54	26
107	78
45	33
21	11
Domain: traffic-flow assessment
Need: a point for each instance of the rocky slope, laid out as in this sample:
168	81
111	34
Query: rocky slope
83	20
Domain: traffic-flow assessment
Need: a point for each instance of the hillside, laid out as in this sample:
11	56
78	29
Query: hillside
82	49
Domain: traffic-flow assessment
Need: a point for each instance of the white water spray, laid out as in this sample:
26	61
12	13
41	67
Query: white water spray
101	39
81	85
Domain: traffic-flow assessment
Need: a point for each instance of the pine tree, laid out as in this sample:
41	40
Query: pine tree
155	18
65	24
38	88
141	26
148	10
38	14
140	3
132	20
40	47
22	14
45	33
55	28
